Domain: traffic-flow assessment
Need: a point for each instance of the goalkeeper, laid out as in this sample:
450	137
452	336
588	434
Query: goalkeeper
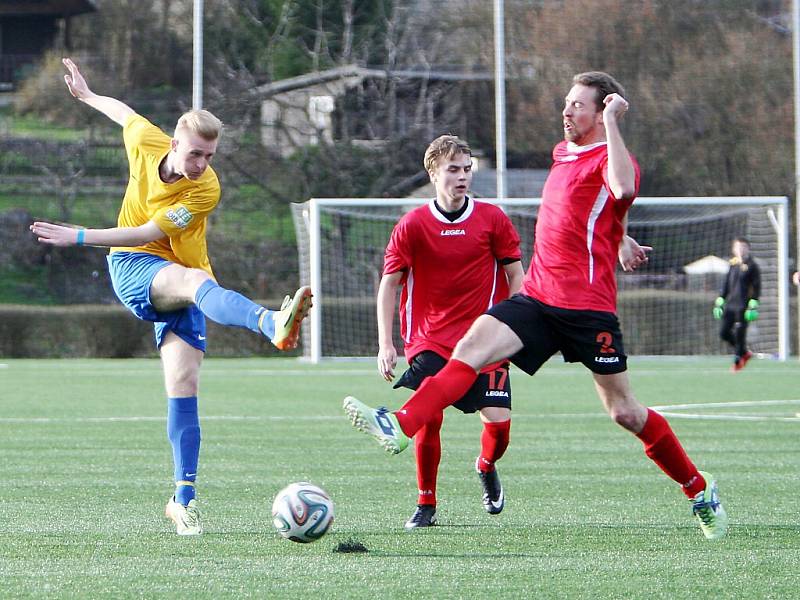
737	304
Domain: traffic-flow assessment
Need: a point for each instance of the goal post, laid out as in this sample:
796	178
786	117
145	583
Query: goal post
664	308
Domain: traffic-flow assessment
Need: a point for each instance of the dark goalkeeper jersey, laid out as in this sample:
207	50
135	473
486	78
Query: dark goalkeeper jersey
743	283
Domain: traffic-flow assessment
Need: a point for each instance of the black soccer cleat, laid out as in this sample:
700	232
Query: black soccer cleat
424	516
493	498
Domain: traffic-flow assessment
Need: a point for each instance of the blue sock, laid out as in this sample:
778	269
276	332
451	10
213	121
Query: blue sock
183	431
184	494
227	307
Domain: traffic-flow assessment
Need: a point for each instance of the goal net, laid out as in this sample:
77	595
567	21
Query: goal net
664	308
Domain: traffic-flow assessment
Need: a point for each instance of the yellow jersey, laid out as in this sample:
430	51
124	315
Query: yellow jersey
179	209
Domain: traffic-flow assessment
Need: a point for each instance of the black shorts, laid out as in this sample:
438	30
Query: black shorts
591	337
490	389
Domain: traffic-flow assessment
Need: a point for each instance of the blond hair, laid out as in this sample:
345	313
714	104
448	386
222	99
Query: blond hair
445	146
200	122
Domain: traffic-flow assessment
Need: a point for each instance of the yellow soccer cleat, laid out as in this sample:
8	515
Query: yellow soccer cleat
288	318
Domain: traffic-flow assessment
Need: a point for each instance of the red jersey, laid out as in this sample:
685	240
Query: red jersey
452	272
578	231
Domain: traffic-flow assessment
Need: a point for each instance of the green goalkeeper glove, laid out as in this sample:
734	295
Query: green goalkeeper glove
719	306
751	312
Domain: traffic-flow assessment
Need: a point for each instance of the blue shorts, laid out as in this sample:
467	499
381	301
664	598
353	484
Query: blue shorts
132	274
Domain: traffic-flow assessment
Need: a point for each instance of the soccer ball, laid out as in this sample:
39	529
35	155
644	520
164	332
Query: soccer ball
302	512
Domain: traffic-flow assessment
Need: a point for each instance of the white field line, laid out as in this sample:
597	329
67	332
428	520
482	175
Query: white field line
725	404
342	417
670	410
137	419
89	370
93	370
723	417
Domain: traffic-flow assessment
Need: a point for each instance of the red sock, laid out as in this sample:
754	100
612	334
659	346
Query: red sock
429	452
664	449
435	394
494	441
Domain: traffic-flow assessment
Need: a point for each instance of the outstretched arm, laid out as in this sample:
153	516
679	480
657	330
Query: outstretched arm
387	354
61	235
111	107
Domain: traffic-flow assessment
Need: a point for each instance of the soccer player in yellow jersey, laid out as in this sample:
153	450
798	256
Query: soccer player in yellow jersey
160	270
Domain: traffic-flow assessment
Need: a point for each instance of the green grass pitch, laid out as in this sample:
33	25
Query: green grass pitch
85	471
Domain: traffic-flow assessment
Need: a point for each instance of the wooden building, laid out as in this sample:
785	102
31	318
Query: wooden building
30	27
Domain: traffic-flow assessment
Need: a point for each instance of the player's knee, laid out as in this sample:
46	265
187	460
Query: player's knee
628	415
466	344
194	278
622	418
183	382
496	414
471	349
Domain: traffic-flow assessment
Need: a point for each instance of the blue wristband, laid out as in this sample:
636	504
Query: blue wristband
81	234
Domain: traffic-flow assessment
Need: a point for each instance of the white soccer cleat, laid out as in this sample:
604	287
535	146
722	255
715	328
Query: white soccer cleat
186	518
379	423
709	511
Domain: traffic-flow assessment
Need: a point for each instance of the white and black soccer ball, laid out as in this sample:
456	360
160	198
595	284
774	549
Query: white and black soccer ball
302	512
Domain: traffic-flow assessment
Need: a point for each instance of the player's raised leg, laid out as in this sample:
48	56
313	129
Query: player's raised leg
662	446
175	285
181	363
488	340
